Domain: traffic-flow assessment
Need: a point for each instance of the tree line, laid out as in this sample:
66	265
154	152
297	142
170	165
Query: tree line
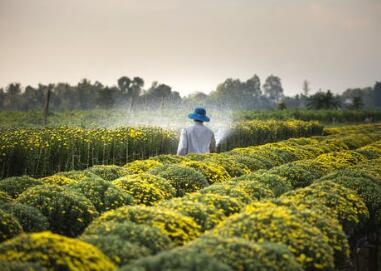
230	94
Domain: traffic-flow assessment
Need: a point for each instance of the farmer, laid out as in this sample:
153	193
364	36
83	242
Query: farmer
197	138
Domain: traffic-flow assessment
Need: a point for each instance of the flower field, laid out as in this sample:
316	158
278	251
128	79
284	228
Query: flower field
298	204
45	151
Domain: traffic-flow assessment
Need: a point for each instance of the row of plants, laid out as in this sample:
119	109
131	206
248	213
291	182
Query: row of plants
42	152
325	116
192	195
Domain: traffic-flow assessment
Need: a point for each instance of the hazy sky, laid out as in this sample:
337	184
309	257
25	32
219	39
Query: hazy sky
192	45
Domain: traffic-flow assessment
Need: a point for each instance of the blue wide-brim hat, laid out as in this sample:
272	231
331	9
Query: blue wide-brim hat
199	114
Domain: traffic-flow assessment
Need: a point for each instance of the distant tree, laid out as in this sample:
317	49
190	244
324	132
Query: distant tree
124	84
13	100
281	105
106	97
33	98
377	94
306	88
357	102
253	86
86	94
323	100
273	88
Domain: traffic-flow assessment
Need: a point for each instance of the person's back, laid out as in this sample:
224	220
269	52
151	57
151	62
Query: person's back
197	138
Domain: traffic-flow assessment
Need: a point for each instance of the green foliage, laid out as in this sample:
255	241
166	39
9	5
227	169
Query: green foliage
179	228
143	235
177	260
228	205
205	215
14	186
108	172
241	254
120	252
9	226
68	213
184	179
54	252
102	194
29	217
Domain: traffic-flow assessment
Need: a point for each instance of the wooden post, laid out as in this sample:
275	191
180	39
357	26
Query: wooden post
46	106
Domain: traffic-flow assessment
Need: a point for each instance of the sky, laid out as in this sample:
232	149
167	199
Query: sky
192	45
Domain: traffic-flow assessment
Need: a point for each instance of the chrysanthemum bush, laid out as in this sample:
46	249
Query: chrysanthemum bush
228	205
108	172
79	175
183	179
179	228
58	180
327	224
342	159
143	235
68	212
14	186
228	189
141	166
54	252
241	254
169	159
177	260
255	189
263	222
233	167
372	167
142	191
252	163
371	151
343	203
366	187
102	194
277	184
120	252
207	216
4	197
126	241
9	226
30	218
20	266
211	171
298	174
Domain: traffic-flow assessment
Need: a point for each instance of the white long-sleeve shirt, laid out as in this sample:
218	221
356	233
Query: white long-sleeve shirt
196	138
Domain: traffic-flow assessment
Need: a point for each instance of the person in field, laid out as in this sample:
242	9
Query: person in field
197	138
